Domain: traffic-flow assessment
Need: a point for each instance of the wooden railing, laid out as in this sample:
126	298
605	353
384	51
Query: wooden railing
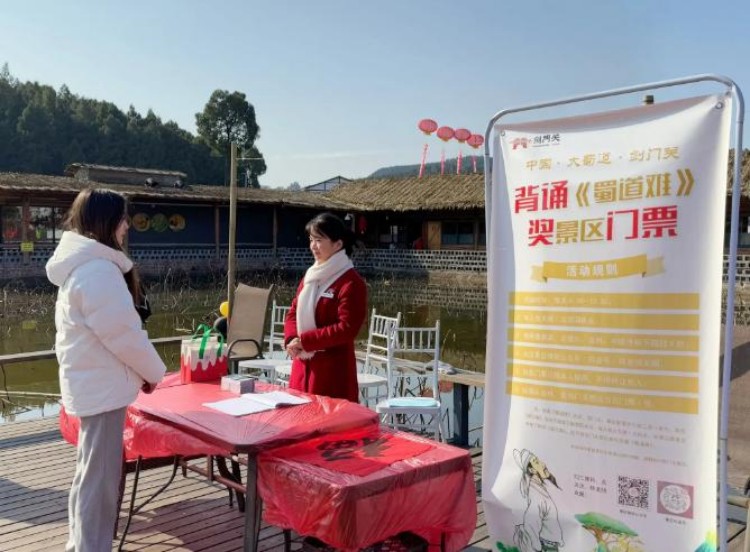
462	381
15	358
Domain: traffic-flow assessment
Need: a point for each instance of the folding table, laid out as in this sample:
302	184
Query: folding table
357	488
175	422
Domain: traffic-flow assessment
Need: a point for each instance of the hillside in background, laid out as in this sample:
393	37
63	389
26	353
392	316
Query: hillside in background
43	130
467	167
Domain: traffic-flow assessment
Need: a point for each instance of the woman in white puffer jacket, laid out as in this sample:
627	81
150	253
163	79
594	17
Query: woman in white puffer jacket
105	356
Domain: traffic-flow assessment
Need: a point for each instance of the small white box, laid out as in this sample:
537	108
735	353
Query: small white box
238	384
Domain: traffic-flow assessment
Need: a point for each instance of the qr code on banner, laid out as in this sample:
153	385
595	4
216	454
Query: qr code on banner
632	492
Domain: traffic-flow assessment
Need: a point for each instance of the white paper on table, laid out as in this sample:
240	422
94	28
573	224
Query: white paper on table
250	403
238	406
276	398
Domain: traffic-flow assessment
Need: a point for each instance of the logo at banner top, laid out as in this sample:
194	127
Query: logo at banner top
520	142
536	141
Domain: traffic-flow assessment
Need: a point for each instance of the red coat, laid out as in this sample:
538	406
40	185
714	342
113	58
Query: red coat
333	370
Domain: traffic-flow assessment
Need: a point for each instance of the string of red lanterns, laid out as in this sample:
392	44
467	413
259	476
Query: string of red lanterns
428	126
446	134
461	134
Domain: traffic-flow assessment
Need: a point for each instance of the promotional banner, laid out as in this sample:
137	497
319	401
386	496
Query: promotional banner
605	247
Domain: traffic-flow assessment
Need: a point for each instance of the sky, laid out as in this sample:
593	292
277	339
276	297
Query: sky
339	85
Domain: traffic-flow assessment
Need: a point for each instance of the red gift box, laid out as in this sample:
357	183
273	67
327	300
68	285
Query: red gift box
203	357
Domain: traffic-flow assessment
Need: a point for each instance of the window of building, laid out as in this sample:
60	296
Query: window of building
457	233
11	220
44	224
396	236
41	224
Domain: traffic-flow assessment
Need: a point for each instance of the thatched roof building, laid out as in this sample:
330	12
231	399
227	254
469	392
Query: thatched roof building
64	188
436	211
447	192
395	194
433	193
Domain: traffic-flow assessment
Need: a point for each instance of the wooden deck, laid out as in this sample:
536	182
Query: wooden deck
36	468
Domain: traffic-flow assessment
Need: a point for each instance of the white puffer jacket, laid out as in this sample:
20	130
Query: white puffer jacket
103	352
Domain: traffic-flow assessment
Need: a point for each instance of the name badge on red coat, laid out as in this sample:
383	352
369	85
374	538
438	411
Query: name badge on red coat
327	294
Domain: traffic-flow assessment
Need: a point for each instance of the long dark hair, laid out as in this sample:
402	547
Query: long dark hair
96	213
332	227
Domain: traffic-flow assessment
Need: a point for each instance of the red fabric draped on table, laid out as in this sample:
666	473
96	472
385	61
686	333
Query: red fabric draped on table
145	437
173	420
424	487
198	429
360	452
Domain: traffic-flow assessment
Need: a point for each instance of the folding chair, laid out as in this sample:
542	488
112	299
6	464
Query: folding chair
282	372
276	333
414	396
373	373
247	324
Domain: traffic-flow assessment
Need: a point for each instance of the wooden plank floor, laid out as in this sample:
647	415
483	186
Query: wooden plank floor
36	468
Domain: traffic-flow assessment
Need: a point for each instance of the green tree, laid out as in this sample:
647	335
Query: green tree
611	535
11	105
113	132
252	164
42	131
36	129
228	118
5	75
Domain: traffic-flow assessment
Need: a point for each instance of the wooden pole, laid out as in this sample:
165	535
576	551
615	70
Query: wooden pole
25	221
275	232
231	259
217	232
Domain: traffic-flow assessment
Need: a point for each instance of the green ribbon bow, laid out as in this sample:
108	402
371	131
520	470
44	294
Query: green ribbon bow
204	333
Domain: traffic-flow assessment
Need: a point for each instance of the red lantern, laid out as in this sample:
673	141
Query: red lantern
445	133
475	140
462	134
428	126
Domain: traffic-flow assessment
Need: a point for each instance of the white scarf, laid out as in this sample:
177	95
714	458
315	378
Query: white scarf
318	279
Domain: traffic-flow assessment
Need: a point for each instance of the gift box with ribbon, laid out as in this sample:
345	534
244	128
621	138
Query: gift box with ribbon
203	356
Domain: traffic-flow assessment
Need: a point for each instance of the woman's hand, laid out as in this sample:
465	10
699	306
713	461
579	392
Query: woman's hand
294	348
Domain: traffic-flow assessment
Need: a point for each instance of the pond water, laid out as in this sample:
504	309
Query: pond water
27	324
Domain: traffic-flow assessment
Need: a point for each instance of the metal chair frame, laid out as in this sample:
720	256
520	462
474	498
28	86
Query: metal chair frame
410	377
376	357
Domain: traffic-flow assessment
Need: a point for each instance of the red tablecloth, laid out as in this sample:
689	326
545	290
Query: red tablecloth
173	421
430	493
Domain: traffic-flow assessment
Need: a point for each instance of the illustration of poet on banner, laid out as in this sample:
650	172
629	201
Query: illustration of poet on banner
540	530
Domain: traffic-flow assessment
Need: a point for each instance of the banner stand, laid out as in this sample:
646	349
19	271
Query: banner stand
737	129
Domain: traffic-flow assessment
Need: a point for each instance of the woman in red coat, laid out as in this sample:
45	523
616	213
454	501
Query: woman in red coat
327	314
